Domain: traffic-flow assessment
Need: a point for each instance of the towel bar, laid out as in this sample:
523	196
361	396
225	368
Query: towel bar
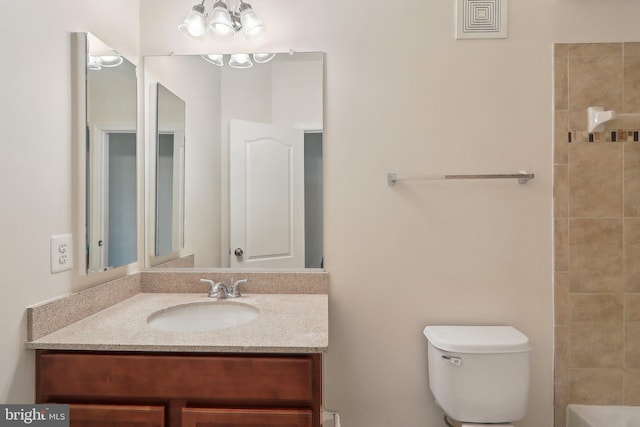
522	177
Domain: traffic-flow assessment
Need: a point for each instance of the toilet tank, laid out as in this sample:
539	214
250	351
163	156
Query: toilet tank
479	374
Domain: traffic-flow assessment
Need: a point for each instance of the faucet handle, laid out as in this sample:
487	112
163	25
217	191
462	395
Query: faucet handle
213	287
235	289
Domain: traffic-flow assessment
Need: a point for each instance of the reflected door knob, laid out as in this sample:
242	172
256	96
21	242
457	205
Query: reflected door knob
238	252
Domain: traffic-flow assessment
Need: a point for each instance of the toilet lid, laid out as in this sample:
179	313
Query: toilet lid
477	339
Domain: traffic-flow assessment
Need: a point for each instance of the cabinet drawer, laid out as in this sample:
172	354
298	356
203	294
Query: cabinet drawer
251	379
200	417
116	416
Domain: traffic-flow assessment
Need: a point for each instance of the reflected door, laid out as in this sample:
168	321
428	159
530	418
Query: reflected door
122	237
266	196
111	198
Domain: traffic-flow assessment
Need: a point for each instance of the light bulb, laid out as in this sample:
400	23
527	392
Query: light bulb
195	24
252	26
215	59
220	26
109	60
262	58
92	64
240	60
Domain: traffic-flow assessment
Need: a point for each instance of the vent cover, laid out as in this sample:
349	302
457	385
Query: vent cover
481	19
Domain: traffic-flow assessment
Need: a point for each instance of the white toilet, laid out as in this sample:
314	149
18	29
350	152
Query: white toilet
479	374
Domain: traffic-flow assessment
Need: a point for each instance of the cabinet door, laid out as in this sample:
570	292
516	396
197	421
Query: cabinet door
205	417
116	416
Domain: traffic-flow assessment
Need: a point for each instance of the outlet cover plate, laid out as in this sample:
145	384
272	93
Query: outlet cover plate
61	252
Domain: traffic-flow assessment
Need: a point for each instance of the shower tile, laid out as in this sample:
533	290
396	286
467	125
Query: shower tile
578	121
595	180
560	402
632	85
632	254
561	245
561	365
561	138
632	179
605	308
561	373
596	255
561	83
560	50
595	80
631	49
561	191
596	331
632	387
632	331
597	237
594	49
561	298
595	386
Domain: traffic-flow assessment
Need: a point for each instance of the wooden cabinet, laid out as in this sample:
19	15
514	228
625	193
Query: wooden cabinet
204	417
116	415
204	390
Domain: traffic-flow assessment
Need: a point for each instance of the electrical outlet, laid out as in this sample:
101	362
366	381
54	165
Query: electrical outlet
61	252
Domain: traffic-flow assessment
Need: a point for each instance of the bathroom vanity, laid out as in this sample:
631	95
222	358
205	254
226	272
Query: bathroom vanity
163	389
114	369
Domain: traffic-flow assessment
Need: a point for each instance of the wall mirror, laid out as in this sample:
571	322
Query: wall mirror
169	173
109	155
251	189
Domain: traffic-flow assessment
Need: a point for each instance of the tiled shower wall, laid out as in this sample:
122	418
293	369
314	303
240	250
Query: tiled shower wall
597	227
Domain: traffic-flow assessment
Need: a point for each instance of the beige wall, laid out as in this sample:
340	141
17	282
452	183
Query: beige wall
401	95
410	99
36	200
597	227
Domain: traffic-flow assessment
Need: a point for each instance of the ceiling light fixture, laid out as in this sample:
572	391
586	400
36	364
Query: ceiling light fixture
224	23
239	60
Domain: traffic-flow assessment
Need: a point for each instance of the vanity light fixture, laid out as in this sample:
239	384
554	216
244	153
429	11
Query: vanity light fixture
194	25
224	23
239	60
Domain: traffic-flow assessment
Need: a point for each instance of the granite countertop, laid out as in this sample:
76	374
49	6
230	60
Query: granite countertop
287	323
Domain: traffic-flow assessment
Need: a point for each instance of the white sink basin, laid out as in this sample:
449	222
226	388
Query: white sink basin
202	316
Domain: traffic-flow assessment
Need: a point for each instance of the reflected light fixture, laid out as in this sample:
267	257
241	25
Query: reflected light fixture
262	58
109	60
214	59
224	23
98	62
239	60
100	55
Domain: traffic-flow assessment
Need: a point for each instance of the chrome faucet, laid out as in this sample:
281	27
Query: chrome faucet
235	289
220	291
216	290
